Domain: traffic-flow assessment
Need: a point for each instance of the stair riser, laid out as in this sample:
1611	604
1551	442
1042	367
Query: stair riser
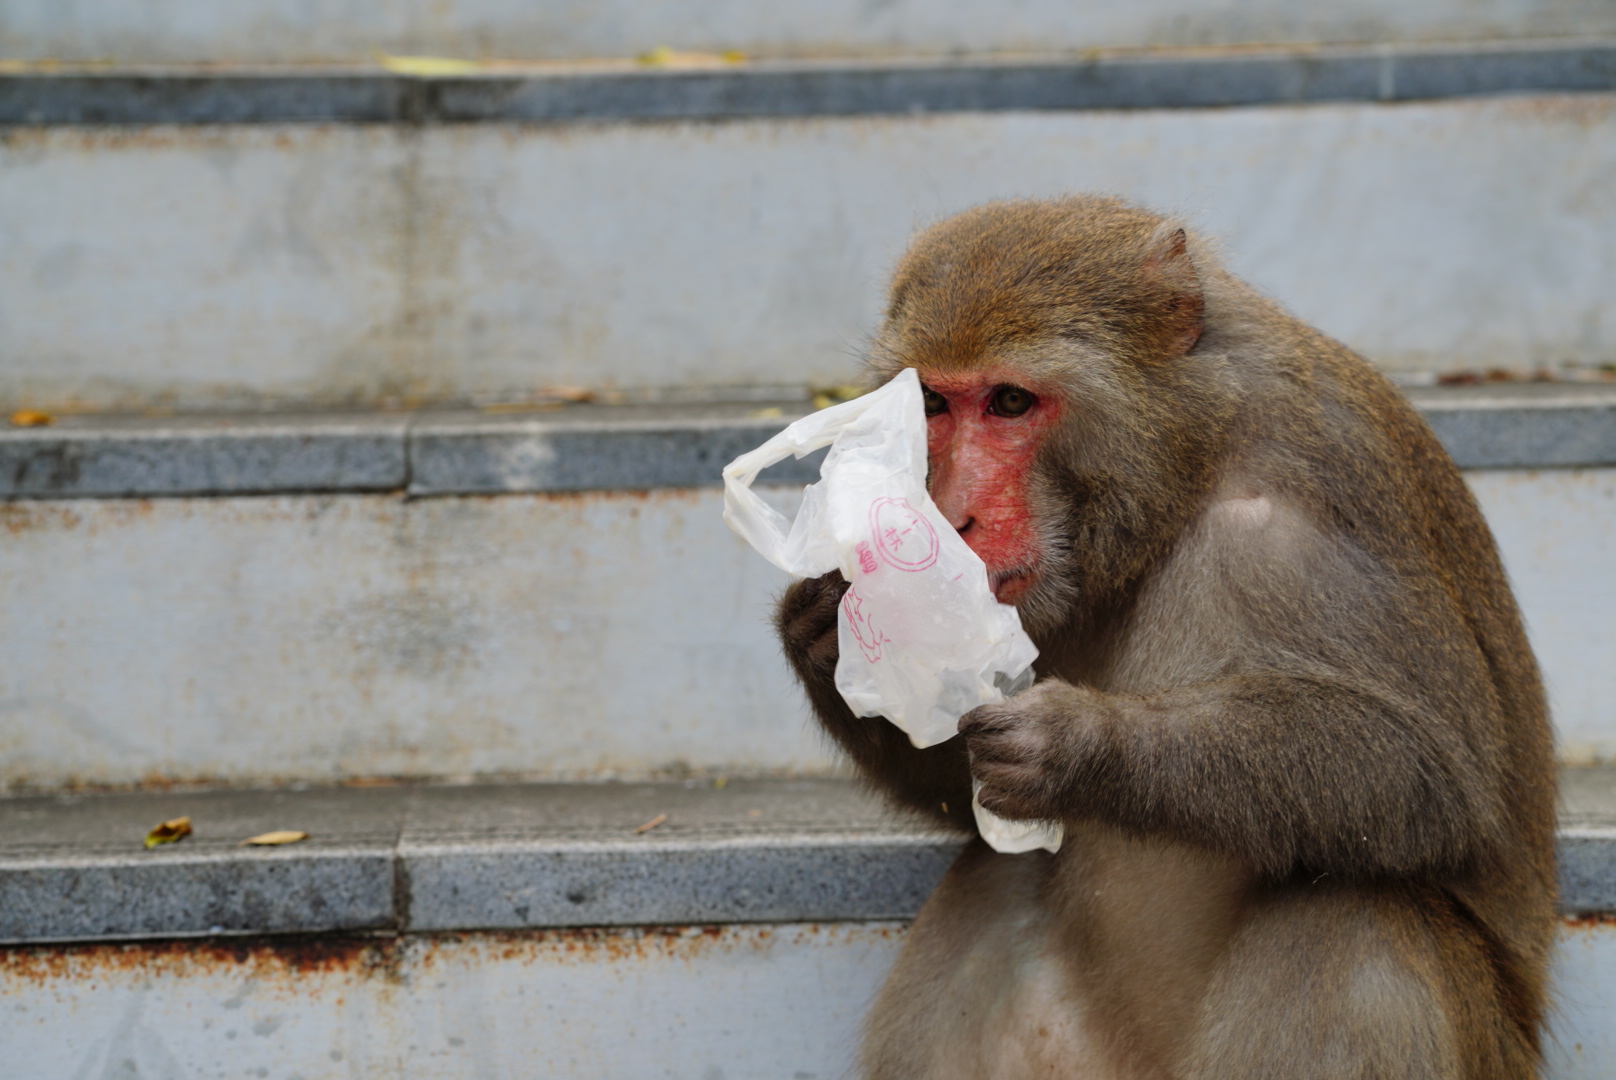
276	31
238	265
773	1001
284	638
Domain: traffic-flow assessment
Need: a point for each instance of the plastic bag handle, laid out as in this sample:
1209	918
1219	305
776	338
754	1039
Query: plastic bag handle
760	524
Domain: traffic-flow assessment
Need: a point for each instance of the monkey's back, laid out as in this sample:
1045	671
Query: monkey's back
1374	457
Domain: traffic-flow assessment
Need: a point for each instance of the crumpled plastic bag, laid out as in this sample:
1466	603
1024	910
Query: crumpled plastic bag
923	640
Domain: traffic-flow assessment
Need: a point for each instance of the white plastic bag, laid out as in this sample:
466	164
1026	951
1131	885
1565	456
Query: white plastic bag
923	640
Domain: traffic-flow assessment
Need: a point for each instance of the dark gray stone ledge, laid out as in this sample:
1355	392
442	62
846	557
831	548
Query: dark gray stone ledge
1187	79
613	448
492	856
525	856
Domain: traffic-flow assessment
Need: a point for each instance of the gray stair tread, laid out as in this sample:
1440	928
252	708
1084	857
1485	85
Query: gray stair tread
1206	77
517	855
494	856
614	447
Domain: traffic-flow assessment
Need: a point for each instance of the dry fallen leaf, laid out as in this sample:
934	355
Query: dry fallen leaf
568	393
653	823
427	67
279	836
664	57
773	412
501	407
827	396
31	418
720	783
168	832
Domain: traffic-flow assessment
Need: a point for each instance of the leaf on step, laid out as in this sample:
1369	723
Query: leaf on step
169	831
835	395
279	836
31	418
427	67
664	57
653	823
573	394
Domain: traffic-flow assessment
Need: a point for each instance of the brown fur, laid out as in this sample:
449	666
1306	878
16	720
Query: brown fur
1286	705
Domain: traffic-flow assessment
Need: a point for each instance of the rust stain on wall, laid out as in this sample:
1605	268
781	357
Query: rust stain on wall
295	959
268	958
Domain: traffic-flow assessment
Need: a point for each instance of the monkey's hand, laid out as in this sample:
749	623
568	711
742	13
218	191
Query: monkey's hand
807	624
1028	751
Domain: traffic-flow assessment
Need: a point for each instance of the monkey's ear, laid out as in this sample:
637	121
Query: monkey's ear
1168	267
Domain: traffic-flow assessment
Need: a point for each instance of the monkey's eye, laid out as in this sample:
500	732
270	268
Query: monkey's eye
935	402
1011	401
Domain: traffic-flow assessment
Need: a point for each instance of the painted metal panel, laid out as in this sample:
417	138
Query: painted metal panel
320	637
285	638
237	265
760	1002
1557	532
284	30
734	1003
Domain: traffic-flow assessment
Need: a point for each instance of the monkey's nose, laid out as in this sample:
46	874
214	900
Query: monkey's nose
965	528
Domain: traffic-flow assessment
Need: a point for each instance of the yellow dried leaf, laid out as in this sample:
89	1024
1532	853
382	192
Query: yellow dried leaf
568	393
721	783
501	408
664	57
826	396
773	412
169	831
279	836
427	67
31	418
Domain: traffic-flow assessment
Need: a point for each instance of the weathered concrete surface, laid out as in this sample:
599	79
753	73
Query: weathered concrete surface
282	31
624	90
334	264
1523	425
322	637
502	856
557	635
418	858
244	453
614	448
739	1003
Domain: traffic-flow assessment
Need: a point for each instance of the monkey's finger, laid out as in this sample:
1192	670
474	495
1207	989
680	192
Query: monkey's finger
985	718
1009	803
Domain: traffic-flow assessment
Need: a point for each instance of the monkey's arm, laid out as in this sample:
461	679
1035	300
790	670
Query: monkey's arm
935	781
1293	773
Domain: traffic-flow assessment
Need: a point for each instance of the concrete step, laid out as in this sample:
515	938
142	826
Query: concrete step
737	246
528	929
550	596
623	90
589	447
274	31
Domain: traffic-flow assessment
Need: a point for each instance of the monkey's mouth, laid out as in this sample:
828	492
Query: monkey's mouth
1011	585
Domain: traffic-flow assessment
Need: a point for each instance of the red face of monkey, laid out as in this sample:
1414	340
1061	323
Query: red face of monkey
984	429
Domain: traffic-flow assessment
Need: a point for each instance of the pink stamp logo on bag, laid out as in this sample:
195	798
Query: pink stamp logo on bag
867	634
904	538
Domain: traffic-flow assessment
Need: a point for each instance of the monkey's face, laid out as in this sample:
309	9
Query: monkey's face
985	428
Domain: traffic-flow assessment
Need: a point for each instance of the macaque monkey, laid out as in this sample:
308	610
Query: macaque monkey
1286	708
